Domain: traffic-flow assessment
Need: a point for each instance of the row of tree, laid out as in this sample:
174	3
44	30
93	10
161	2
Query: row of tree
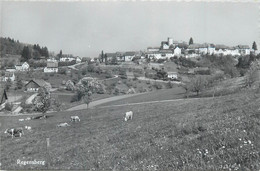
34	53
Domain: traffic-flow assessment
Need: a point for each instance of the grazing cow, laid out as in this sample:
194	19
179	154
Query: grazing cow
28	127
63	124
74	119
21	120
128	115
14	132
28	118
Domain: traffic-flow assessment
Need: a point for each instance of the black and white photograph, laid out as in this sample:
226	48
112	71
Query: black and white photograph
130	85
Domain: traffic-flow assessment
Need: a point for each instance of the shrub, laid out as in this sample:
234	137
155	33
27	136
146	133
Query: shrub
158	86
62	71
8	106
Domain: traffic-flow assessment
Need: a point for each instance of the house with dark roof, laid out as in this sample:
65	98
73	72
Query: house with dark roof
52	66
35	84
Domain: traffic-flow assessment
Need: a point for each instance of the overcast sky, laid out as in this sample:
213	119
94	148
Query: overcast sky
86	28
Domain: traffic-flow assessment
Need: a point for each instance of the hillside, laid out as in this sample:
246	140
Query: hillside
10	46
220	133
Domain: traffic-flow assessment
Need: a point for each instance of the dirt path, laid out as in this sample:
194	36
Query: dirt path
158	101
30	99
102	101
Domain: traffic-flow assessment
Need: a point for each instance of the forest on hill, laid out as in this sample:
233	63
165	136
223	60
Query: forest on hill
10	46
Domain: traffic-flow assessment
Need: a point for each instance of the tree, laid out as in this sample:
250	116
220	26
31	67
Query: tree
187	87
60	54
102	56
114	60
43	102
252	74
197	84
87	92
191	41
254	46
8	84
26	54
45	52
19	83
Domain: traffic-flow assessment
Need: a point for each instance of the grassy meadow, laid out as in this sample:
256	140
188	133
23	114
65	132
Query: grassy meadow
221	133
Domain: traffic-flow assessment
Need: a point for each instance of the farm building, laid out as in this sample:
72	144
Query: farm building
51	67
34	85
129	56
22	66
172	75
8	75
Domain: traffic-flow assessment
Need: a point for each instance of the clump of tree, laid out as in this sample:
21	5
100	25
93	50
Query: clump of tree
186	62
43	101
191	41
84	91
8	106
19	83
10	46
254	46
8	84
253	73
66	63
197	85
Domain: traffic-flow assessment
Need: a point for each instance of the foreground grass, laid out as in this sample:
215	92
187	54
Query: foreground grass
207	134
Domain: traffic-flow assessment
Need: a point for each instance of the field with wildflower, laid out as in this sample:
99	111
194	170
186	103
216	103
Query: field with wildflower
221	133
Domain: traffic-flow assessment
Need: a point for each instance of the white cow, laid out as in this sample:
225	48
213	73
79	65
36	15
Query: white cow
21	120
74	119
14	132
28	127
65	124
28	118
129	115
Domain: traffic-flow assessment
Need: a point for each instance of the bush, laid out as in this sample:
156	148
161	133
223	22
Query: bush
8	106
158	86
62	71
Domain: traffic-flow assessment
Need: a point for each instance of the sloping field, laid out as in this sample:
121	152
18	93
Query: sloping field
196	134
165	94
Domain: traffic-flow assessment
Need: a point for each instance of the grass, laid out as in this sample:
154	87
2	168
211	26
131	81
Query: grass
196	134
164	94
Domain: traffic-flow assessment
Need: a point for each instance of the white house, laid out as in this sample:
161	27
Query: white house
10	69
22	67
67	58
153	55
164	45
51	67
172	75
211	49
166	53
129	56
52	60
177	51
78	59
8	75
243	49
153	49
203	49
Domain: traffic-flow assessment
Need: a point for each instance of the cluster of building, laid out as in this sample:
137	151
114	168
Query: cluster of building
171	48
52	66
